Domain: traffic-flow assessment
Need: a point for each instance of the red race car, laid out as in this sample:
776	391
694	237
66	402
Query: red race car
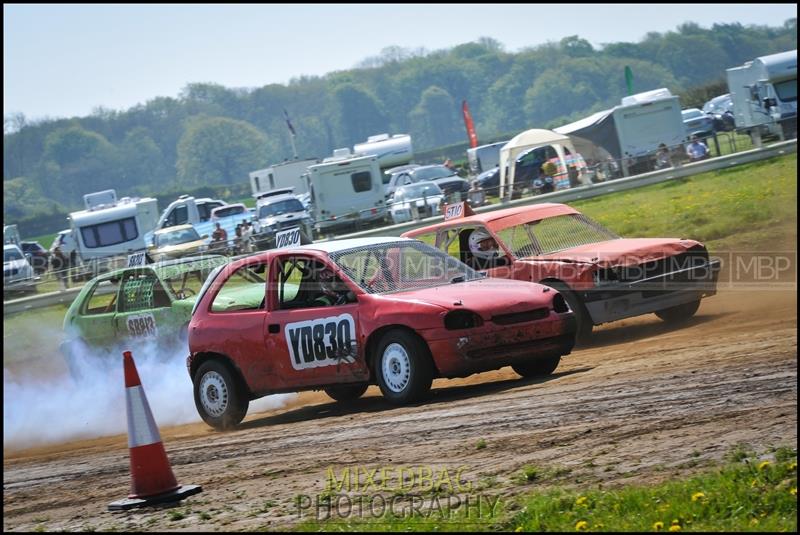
345	314
602	276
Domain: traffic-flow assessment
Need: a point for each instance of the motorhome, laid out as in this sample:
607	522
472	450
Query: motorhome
346	190
288	174
390	151
484	157
110	228
764	95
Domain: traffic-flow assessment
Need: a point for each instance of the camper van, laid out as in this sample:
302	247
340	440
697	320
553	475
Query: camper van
764	95
390	151
288	174
346	190
110	228
484	157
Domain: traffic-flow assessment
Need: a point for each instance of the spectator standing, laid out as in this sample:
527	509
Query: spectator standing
59	263
697	150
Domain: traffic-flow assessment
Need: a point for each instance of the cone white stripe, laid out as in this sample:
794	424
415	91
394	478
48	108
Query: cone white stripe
142	429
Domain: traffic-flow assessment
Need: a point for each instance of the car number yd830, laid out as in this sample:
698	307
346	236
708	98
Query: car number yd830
321	342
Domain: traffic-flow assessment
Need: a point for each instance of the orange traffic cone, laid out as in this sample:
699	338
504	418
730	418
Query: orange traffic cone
152	478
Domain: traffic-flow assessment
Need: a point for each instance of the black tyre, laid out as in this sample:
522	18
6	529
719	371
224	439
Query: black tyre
540	367
346	392
219	396
403	367
679	313
583	321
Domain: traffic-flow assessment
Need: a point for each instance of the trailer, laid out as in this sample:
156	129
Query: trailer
391	151
484	157
764	95
287	174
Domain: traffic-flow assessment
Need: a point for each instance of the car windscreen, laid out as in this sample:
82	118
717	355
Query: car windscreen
417	191
229	211
431	173
9	255
692	114
401	266
552	234
177	237
279	208
186	278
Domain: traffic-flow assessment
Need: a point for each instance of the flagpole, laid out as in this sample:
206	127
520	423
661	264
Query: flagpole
291	132
294	148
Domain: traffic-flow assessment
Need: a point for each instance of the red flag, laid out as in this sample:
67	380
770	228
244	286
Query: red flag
473	137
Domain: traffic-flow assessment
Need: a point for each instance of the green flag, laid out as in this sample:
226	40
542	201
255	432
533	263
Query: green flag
629	79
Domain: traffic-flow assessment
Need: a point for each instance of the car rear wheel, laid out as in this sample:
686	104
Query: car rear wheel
403	367
346	392
583	321
218	396
679	313
539	367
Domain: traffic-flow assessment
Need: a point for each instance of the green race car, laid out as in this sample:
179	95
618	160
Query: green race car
150	302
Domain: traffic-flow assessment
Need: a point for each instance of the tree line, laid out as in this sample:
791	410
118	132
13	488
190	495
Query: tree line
211	135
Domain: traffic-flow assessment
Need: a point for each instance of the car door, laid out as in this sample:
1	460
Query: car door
143	308
94	321
315	343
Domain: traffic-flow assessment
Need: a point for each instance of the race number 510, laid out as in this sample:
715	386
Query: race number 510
454	210
287	238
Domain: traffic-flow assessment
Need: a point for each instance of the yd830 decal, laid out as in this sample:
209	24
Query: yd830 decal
321	342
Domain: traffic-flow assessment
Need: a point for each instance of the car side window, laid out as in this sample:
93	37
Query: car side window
103	298
142	291
245	289
307	283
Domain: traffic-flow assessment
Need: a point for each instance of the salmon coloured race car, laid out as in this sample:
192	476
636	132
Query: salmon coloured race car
342	315
602	276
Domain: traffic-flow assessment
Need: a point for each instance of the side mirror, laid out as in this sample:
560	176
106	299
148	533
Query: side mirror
770	102
204	237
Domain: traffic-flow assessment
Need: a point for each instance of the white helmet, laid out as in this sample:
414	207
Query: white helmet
476	238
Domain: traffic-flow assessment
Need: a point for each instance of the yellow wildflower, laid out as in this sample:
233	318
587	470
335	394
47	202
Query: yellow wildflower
793	466
675	527
582	525
753	521
658	526
519	528
698	496
763	465
581	501
793	491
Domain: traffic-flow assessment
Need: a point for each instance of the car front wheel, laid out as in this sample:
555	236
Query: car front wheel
403	367
540	367
346	392
679	313
219	398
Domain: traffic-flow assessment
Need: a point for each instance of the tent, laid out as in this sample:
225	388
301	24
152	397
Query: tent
526	141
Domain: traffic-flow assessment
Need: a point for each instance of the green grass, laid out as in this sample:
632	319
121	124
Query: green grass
738	207
752	494
45	240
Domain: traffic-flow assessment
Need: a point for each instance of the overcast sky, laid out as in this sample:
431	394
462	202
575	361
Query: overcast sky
65	60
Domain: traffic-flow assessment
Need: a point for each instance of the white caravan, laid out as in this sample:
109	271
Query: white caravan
391	151
346	190
484	157
288	174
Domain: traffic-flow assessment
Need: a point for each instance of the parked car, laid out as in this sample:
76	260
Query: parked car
697	123
424	198
395	177
153	302
344	314
176	242
279	210
602	276
447	179
490	180
720	109
38	256
230	210
18	275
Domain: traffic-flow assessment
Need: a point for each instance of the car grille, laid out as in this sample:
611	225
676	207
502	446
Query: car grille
519	317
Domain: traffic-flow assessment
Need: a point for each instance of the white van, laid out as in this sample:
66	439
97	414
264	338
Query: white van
346	190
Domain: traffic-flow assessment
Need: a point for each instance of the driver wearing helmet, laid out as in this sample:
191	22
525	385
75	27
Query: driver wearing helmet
483	247
330	289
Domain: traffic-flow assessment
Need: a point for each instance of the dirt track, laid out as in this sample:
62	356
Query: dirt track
644	402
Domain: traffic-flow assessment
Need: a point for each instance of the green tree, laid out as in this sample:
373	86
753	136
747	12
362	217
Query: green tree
434	122
357	114
216	150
